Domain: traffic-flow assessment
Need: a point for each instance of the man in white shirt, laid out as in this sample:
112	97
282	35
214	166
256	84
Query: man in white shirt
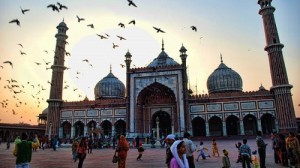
190	149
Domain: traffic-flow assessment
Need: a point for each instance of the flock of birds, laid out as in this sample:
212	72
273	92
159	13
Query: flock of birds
18	88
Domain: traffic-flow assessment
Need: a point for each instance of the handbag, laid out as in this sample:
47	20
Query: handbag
115	157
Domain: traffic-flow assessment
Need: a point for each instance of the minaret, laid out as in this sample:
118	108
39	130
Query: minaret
281	87
55	100
128	62
183	57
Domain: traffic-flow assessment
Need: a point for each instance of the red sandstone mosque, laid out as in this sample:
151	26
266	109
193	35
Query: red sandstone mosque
155	100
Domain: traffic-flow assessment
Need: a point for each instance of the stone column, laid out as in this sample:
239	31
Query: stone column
276	125
242	127
113	130
60	132
85	131
157	128
224	128
207	128
259	124
72	132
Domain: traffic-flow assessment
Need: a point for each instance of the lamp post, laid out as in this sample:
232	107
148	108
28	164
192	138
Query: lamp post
50	130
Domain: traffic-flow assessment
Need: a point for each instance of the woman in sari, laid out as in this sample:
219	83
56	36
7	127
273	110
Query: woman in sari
122	149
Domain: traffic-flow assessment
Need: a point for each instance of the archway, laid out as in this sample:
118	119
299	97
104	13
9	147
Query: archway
106	127
164	123
92	131
79	129
66	126
120	128
250	124
215	126
232	125
268	123
199	128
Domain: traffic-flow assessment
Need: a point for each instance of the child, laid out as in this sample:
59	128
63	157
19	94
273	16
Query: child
255	160
140	150
239	156
225	159
202	152
215	147
75	145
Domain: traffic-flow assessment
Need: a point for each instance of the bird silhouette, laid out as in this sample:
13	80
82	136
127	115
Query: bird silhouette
130	2
91	25
121	38
158	30
79	19
122	65
121	25
61	6
37	63
46	62
54	7
194	28
101	36
20	45
15	21
46	51
24	10
68	54
114	46
85	60
107	35
8	62
132	22
22	53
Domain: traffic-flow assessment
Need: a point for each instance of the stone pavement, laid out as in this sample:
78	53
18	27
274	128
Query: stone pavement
152	157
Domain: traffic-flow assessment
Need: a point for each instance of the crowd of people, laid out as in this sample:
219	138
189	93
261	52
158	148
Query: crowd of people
179	153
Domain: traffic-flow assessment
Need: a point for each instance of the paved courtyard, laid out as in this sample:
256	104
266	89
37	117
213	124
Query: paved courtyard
152	157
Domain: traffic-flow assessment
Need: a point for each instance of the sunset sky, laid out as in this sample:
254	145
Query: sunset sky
231	27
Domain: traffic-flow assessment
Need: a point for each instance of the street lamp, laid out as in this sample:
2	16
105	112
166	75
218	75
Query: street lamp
50	130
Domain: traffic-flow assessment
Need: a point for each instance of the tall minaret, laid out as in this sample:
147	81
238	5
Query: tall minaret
128	62
281	87
55	100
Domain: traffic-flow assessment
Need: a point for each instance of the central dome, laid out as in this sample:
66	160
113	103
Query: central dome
224	79
109	87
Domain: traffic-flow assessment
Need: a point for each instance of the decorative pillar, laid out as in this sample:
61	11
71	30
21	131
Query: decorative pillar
50	130
157	128
224	128
259	124
242	127
113	130
207	128
72	132
60	132
85	131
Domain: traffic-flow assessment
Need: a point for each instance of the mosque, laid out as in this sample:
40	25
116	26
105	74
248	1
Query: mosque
156	100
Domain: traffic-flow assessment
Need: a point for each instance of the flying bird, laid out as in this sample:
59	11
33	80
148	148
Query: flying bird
46	51
91	25
15	21
8	62
130	2
194	28
101	36
79	19
114	46
107	35
68	54
158	30
61	6
37	63
22	53
54	7
85	60
20	45
121	38
121	25
24	10
122	65
132	22
46	62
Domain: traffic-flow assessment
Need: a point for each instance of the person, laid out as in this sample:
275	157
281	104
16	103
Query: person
179	159
74	149
137	141
114	142
170	139
90	145
292	145
282	152
54	143
275	146
190	149
245	153
81	151
36	143
202	153
225	159
261	149
122	149
214	146
140	150
8	144
23	152
255	160
238	145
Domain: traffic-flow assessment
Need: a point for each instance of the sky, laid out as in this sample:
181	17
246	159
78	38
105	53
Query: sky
232	28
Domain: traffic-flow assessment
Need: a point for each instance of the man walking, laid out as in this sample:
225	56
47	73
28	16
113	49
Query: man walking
190	148
261	149
23	151
245	153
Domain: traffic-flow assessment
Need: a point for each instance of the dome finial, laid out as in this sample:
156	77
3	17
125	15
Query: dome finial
110	68
221	57
162	45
